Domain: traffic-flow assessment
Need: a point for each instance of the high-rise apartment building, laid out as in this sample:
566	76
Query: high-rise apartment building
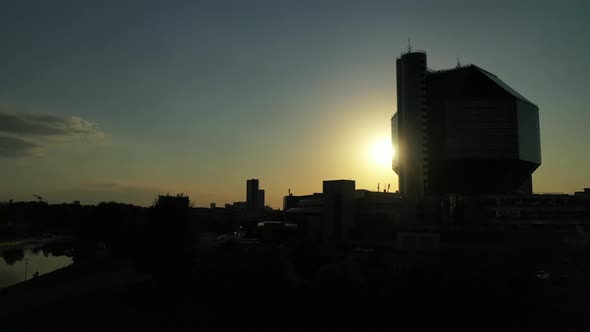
254	195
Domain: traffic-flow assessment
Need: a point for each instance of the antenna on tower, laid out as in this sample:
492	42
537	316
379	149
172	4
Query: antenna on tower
458	62
409	46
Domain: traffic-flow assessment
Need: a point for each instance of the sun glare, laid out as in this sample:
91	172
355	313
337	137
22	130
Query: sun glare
382	152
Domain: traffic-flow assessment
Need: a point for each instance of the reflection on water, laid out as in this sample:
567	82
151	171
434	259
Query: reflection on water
15	263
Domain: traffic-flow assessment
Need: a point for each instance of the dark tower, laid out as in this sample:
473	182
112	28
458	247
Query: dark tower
461	131
409	129
251	193
254	195
410	124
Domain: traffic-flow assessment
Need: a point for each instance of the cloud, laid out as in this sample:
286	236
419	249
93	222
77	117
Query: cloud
47	125
21	134
17	147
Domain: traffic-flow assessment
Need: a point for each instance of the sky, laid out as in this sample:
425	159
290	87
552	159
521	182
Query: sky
123	100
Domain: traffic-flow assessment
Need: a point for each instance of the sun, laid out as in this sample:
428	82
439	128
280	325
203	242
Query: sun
382	152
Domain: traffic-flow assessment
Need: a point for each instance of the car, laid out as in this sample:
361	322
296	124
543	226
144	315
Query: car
229	236
543	275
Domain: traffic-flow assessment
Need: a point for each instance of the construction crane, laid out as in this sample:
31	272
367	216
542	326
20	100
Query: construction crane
39	198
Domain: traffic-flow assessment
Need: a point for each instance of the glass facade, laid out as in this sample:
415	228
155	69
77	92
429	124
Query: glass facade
529	143
485	129
395	142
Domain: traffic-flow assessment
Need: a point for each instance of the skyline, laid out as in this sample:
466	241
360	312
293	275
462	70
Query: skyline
125	102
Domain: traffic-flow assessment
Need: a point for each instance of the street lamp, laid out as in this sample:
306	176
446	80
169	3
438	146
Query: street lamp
26	267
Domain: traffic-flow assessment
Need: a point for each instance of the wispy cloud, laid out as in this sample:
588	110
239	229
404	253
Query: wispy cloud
17	147
26	134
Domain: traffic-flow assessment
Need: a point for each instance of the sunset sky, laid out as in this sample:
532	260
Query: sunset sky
122	100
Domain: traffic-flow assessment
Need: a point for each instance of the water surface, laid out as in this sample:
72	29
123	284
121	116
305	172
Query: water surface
20	262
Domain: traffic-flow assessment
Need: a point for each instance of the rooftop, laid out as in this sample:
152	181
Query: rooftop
486	73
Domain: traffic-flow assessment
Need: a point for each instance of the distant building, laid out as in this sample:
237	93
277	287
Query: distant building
538	208
254	195
251	192
237	205
339	210
260	199
292	201
341	213
460	131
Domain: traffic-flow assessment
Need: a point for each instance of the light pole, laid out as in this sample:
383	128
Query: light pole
26	267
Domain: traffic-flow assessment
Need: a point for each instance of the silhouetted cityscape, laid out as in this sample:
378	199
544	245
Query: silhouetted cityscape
463	244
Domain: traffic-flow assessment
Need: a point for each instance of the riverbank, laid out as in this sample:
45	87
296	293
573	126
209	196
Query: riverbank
7	244
65	287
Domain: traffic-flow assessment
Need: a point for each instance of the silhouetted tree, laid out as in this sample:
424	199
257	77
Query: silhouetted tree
108	227
12	256
171	240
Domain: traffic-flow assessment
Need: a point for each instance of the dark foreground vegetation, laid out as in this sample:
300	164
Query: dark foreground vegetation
145	269
264	288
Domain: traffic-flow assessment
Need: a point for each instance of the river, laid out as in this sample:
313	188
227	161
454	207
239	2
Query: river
23	262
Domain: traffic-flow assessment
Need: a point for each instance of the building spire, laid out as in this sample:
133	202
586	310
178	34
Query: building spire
409	46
